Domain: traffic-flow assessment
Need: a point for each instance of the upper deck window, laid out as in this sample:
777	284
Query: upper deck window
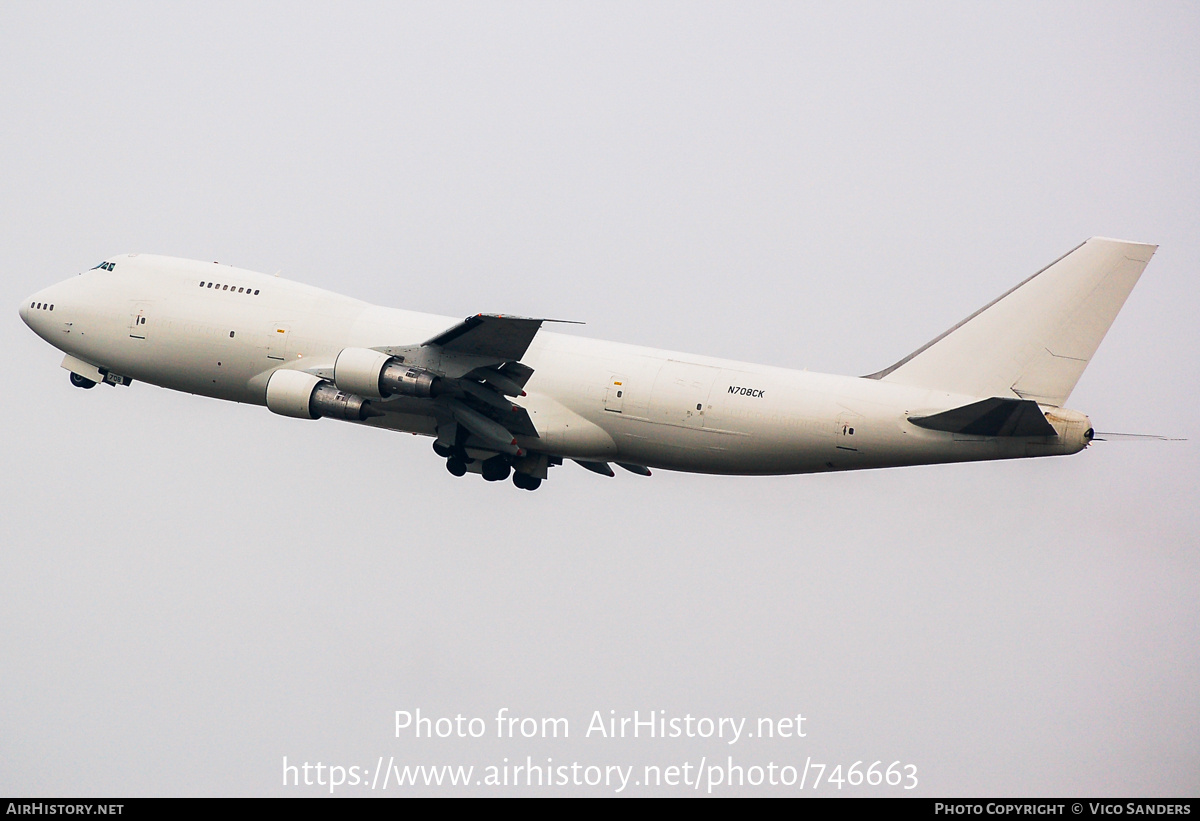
233	289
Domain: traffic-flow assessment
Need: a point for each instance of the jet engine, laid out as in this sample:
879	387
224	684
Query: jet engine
378	376
304	396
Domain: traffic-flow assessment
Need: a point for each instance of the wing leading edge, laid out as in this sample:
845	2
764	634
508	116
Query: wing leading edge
492	335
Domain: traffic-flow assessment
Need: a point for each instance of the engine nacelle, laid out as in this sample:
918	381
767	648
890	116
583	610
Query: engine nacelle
403	380
370	373
357	370
304	396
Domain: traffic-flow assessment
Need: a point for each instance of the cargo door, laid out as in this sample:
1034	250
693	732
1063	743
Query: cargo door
681	393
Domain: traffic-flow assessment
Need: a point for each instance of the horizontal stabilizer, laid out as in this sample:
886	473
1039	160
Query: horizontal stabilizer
991	417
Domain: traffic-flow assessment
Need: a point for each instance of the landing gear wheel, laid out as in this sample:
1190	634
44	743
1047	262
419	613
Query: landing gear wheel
525	481
456	466
496	469
441	450
81	381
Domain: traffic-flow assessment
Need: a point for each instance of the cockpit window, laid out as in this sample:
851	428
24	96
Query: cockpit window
107	266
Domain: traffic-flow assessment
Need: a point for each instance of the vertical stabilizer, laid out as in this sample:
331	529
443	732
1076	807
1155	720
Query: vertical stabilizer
1034	341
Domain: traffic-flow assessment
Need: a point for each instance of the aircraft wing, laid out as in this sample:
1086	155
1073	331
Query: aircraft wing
478	361
493	335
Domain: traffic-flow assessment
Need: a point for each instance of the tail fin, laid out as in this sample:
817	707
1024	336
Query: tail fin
1034	341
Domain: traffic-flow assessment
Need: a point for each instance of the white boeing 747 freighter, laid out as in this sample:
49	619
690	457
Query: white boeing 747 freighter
501	396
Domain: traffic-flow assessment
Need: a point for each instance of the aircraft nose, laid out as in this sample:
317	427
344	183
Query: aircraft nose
35	311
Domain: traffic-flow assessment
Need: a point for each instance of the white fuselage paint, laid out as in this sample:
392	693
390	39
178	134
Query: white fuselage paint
149	319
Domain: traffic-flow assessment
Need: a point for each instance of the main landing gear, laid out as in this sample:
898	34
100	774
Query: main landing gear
496	469
526	482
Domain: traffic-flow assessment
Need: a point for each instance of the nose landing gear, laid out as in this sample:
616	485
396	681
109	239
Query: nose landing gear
81	381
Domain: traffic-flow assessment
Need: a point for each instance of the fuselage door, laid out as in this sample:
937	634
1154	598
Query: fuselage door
681	392
277	341
845	433
614	396
138	321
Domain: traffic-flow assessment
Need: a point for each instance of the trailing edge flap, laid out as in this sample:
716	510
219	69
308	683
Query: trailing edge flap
991	417
491	335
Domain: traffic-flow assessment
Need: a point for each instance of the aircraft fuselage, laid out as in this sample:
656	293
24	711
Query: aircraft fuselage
220	331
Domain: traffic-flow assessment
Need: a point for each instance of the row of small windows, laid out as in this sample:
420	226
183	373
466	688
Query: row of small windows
233	288
41	306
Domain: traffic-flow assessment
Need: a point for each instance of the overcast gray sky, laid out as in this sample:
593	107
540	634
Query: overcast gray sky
194	590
